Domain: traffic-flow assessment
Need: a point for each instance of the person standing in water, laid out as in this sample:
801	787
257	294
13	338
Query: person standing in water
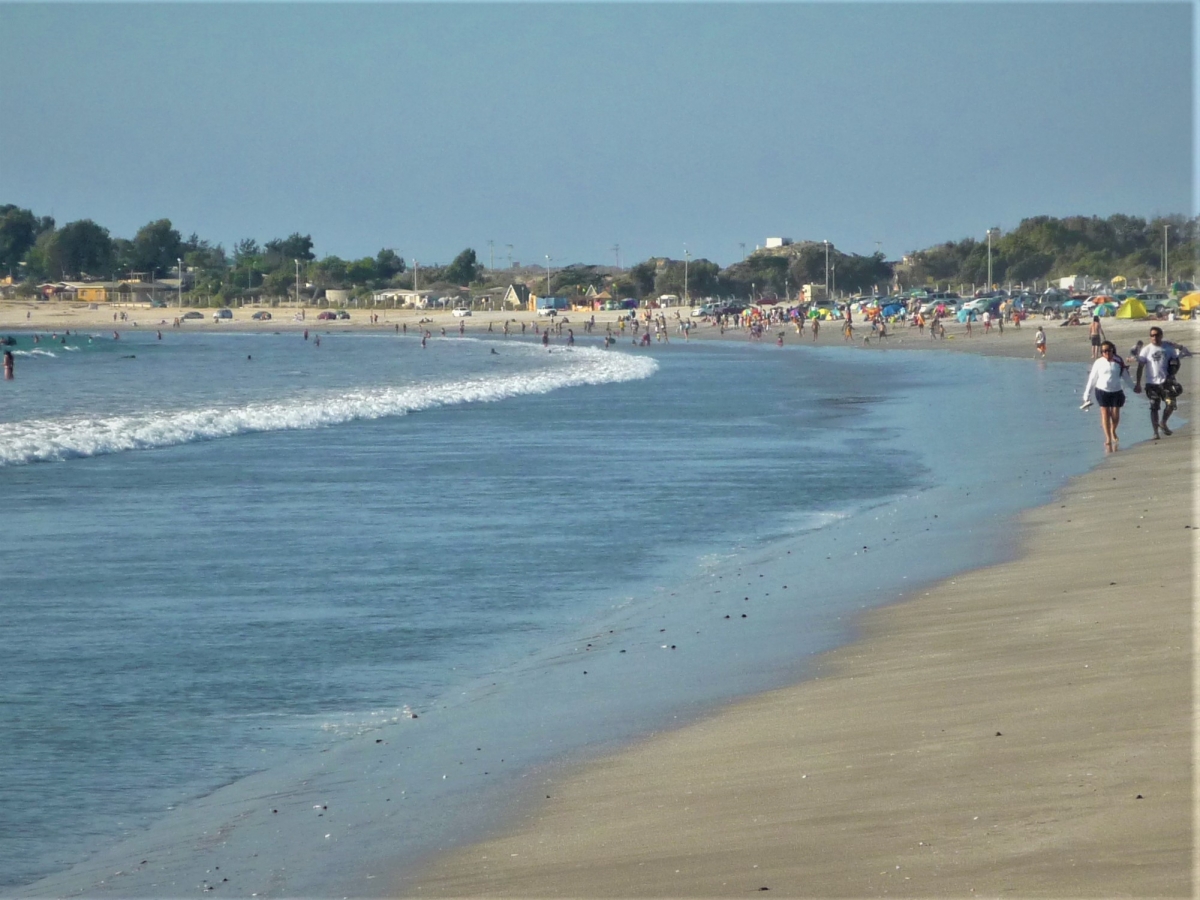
8	365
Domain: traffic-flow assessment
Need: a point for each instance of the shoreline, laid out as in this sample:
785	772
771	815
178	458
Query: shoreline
1036	743
1023	728
1065	344
1002	348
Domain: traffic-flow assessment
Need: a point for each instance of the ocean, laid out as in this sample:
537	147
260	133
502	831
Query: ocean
309	614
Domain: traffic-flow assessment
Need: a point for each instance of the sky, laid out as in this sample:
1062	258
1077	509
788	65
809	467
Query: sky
568	129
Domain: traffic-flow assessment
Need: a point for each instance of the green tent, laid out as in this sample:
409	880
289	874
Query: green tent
1132	309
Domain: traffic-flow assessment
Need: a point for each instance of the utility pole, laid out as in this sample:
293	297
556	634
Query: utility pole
686	257
179	295
826	243
297	262
1166	270
616	249
990	232
547	274
742	245
509	246
416	276
491	257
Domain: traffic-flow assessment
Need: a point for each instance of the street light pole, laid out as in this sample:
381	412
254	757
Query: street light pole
990	232
1166	270
686	257
297	262
179	295
547	274
826	243
491	257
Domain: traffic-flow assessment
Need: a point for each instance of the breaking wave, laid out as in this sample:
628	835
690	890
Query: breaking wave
47	440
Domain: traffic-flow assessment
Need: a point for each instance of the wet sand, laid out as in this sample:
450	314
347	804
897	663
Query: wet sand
1024	729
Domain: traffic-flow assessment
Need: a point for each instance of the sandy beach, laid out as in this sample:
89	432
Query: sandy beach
1024	729
1021	730
1063	343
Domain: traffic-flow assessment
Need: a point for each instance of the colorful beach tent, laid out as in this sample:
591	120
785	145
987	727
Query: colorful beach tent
1132	309
1106	309
1190	301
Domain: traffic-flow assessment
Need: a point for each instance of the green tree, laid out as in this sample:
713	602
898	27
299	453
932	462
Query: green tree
388	264
156	247
280	252
330	272
19	231
642	278
361	271
77	249
463	269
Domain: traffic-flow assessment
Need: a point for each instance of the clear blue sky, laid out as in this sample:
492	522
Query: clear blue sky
564	129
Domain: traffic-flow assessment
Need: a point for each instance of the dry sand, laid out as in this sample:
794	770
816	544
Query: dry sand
1024	729
1064	343
1021	730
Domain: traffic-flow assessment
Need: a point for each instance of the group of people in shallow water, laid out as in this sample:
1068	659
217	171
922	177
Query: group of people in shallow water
1158	361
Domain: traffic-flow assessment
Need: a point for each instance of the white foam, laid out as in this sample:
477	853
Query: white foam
45	440
34	353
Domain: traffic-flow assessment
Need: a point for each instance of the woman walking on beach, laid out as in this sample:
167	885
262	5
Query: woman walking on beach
1039	341
1105	380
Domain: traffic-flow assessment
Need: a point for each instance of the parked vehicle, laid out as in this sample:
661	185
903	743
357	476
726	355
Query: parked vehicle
222	314
342	314
461	312
192	314
262	315
327	314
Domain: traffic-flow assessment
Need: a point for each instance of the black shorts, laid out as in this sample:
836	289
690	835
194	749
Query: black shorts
1110	399
1158	393
1095	340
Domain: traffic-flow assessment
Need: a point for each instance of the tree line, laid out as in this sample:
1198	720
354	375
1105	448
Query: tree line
34	249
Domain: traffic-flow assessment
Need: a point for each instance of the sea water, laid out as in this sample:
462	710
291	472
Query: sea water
321	611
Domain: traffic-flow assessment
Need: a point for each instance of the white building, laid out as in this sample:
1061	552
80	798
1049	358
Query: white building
775	242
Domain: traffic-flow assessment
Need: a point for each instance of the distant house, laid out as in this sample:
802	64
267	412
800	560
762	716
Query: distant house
397	297
338	295
110	291
517	296
775	242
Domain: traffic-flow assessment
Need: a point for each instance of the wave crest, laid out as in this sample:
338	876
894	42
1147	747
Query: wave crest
47	440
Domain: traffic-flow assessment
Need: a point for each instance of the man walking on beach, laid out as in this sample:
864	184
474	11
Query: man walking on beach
1160	362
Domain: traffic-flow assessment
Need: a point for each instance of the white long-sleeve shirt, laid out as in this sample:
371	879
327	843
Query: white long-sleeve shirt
1107	375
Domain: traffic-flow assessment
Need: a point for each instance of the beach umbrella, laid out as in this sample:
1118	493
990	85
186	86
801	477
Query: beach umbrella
1106	309
1190	301
1072	304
